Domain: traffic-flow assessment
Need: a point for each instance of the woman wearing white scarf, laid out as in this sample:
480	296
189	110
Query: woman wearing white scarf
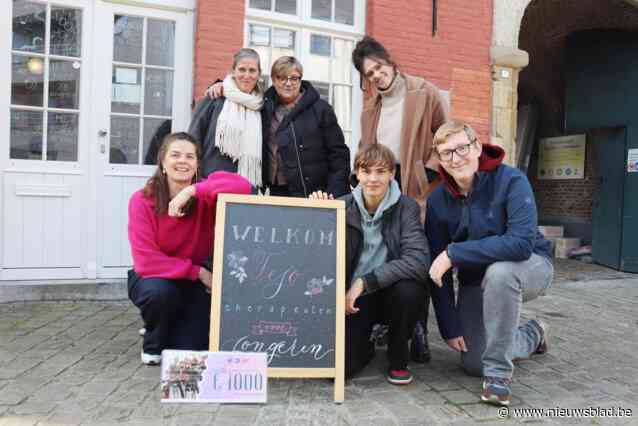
230	129
238	133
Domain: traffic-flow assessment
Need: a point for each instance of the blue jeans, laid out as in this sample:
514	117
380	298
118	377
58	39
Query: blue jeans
490	316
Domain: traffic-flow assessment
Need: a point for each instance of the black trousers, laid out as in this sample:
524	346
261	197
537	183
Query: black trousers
399	306
176	313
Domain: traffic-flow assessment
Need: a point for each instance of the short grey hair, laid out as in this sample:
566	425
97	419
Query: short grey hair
285	65
246	53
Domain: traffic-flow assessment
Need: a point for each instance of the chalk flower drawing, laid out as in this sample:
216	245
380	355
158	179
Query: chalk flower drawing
315	286
236	261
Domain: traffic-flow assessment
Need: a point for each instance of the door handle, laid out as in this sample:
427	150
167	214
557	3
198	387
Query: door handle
102	133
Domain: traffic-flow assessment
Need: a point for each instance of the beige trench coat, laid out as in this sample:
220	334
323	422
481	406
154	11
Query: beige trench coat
424	111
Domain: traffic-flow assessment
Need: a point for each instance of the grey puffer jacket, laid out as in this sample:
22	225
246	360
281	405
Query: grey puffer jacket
408	253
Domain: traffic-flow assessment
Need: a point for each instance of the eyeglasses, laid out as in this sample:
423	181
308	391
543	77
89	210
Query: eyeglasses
293	79
461	151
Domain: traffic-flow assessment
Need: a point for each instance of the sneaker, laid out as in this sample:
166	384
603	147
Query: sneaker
419	348
496	390
543	346
151	359
400	377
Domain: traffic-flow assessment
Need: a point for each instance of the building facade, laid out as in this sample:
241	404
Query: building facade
90	83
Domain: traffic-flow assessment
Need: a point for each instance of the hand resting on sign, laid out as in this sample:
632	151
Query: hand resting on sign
320	195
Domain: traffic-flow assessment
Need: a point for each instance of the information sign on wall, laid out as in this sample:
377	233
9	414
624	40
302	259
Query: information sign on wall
562	157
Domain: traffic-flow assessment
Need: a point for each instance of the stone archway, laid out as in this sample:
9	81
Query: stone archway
547	30
507	62
510	53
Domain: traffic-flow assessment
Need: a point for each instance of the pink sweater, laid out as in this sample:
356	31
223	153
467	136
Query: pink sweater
175	248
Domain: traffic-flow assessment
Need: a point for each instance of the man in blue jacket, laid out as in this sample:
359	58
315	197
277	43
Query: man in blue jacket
483	223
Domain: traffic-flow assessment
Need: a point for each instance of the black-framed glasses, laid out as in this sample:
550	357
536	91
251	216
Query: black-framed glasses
292	79
461	151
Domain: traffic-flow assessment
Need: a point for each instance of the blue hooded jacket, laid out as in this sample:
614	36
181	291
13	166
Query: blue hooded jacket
496	222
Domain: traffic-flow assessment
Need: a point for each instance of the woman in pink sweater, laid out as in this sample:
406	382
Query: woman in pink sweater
171	222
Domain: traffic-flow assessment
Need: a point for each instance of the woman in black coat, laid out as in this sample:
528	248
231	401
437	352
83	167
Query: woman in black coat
303	145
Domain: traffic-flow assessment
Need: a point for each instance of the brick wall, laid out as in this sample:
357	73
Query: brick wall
456	59
219	33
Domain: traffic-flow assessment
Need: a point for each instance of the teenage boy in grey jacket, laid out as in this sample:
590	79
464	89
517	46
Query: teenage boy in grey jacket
387	260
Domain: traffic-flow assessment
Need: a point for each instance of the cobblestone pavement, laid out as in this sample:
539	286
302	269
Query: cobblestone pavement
65	363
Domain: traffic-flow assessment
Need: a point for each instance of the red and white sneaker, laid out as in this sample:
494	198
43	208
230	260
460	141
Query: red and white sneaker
400	377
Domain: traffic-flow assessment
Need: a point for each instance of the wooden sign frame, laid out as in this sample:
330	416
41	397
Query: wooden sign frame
338	372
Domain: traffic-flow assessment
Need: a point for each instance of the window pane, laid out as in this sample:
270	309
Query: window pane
283	38
260	4
64	84
158	92
62	137
318	62
286	6
27	86
66	32
323	89
160	43
319	45
29	26
26	135
341	63
127	39
259	35
125	137
264	57
342	104
126	94
344	12
322	9
154	131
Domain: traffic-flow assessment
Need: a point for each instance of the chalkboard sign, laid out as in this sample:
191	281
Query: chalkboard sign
278	283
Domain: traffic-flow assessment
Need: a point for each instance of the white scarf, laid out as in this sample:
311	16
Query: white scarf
238	132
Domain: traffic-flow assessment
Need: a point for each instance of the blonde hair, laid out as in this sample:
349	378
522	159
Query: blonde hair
453	127
284	65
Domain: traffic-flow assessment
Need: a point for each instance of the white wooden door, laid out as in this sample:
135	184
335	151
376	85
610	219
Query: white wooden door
44	158
143	62
84	87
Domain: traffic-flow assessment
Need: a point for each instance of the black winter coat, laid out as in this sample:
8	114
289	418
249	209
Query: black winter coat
311	145
408	252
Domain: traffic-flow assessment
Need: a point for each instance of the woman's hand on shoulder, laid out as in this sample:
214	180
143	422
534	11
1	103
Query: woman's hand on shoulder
320	195
215	90
176	205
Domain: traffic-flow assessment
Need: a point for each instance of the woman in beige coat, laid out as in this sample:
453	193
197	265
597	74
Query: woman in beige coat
403	115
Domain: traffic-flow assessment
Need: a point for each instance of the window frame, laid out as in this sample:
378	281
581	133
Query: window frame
304	26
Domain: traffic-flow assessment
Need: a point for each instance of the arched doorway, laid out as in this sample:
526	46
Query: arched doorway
580	73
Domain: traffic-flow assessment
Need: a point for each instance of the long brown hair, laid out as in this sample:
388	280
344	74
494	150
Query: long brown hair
156	186
369	47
